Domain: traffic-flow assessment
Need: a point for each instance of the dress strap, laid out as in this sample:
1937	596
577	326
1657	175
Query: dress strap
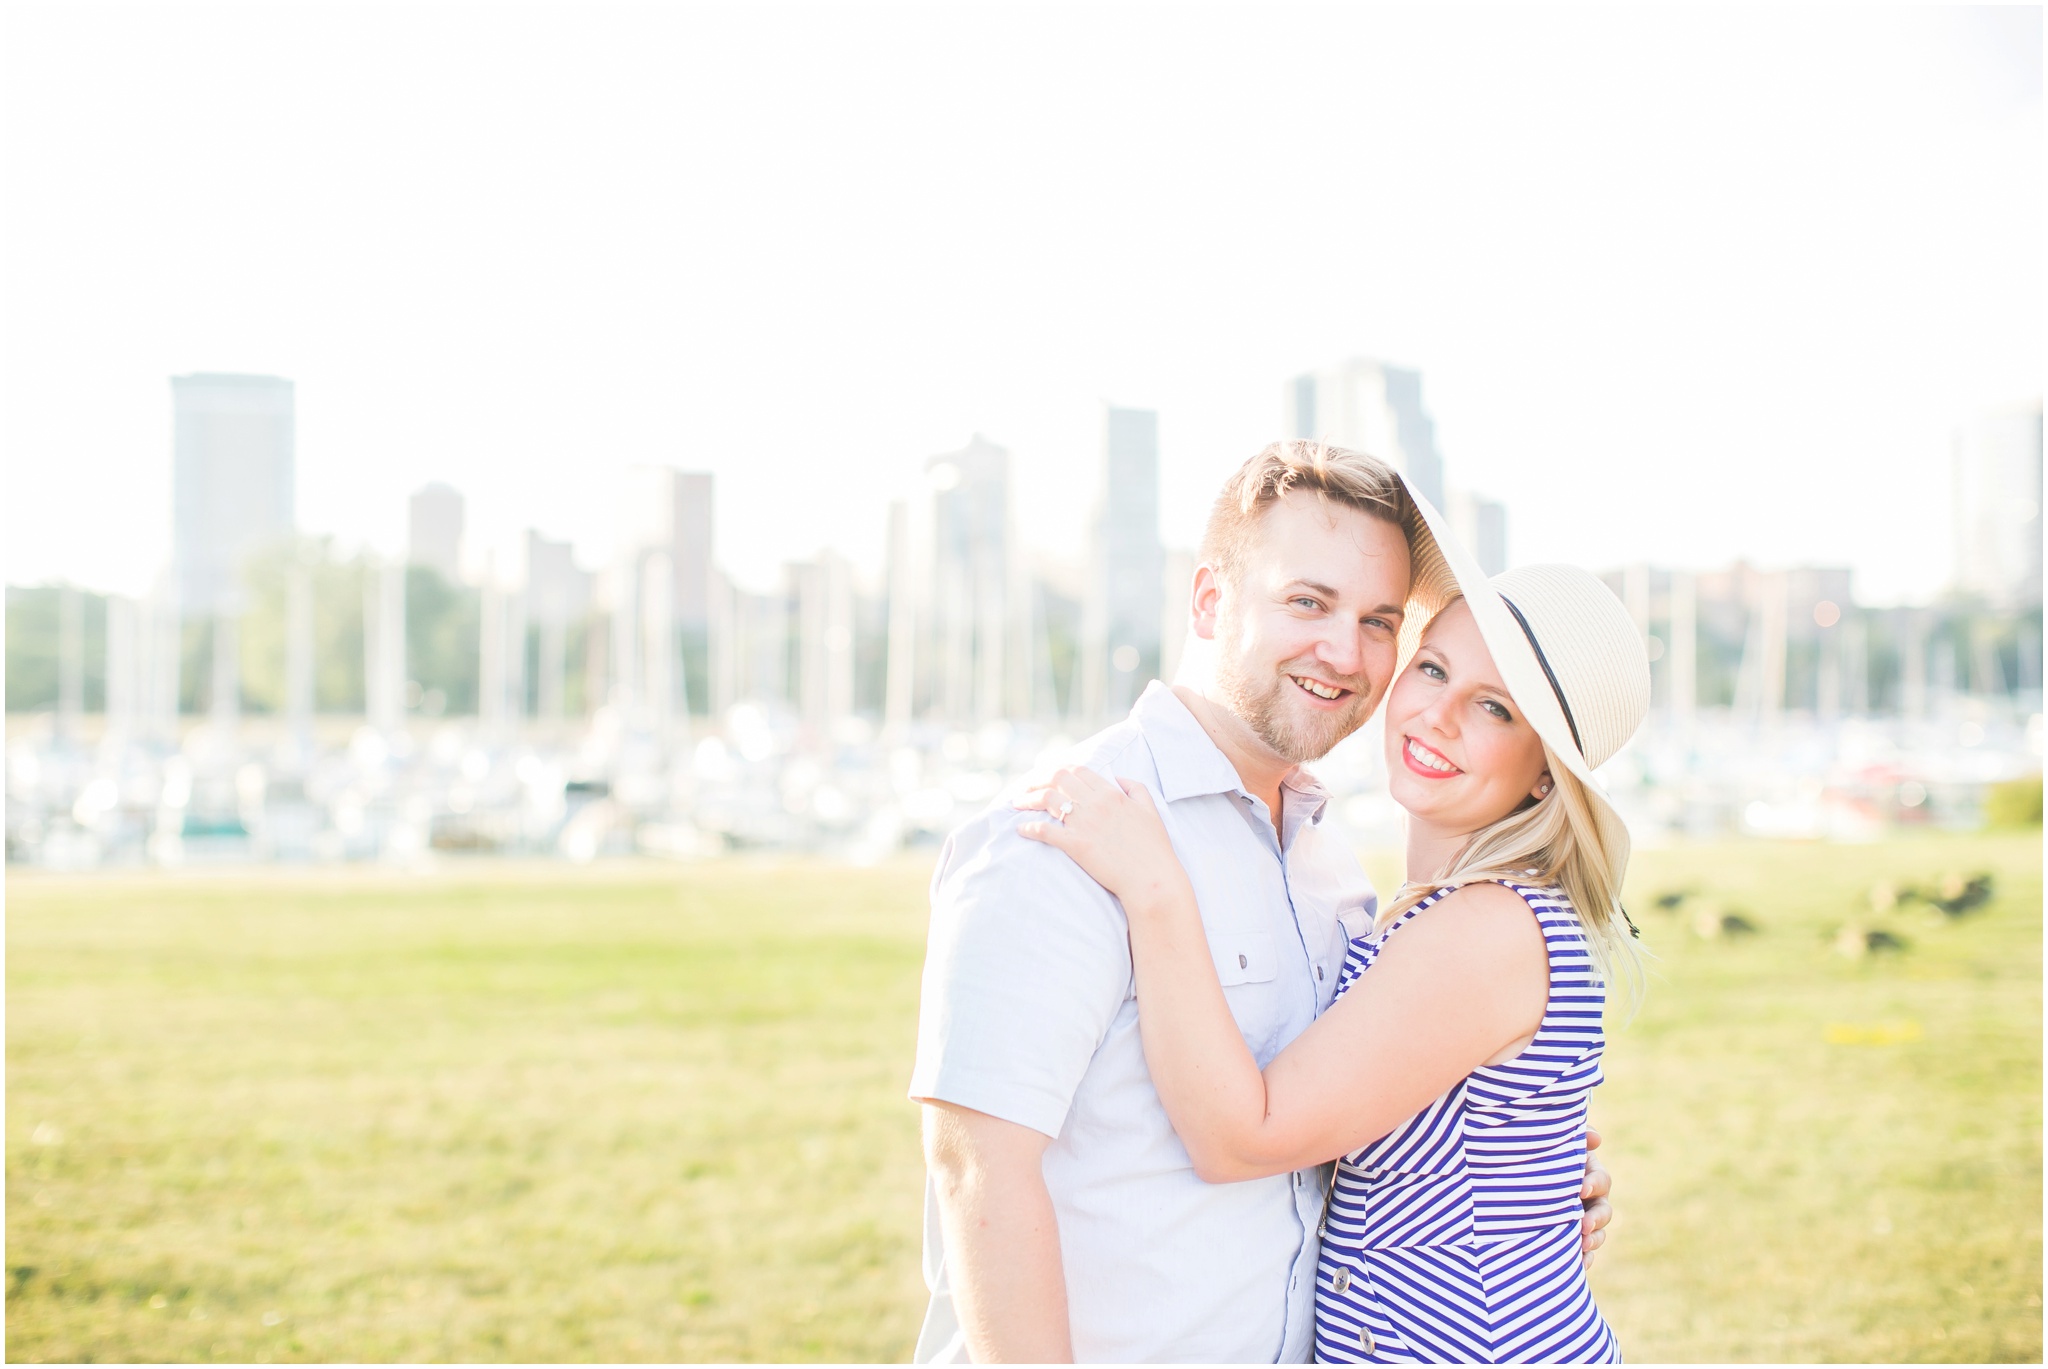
1533	896
1380	934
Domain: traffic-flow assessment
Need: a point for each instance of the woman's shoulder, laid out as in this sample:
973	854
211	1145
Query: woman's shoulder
1492	898
1462	918
1546	899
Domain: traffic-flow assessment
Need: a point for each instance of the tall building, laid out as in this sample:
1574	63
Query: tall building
670	510
557	594
557	589
667	514
823	596
1482	524
232	482
761	631
1126	595
501	665
1996	468
973	646
1373	408
433	530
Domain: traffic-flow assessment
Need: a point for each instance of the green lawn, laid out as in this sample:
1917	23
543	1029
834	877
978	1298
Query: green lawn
531	1113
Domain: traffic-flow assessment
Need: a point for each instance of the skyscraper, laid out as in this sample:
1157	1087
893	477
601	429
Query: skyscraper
557	589
557	593
668	512
1997	484
232	481
822	591
968	650
671	510
1374	408
1127	589
1482	525
433	532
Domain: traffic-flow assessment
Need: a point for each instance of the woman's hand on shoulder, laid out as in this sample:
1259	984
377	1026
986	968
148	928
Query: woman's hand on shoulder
1111	828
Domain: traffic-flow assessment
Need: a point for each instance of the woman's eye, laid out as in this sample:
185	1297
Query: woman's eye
1432	669
1498	711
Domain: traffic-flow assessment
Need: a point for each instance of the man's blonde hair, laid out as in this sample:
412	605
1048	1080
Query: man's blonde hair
1337	475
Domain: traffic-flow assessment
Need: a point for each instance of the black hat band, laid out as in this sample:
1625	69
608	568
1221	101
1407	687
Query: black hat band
1548	673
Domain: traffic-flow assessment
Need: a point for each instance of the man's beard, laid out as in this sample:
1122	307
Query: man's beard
1260	701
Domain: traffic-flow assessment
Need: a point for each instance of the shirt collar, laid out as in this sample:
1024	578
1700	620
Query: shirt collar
1188	761
1191	764
1310	796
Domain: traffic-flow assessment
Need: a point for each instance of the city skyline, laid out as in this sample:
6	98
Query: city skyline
964	626
233	468
653	705
1651	324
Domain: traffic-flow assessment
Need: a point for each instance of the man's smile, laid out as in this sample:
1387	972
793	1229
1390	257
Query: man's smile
1328	693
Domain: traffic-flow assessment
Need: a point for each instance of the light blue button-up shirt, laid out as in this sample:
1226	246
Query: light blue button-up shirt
1029	1015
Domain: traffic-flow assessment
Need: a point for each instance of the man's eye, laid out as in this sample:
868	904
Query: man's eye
1382	624
1307	603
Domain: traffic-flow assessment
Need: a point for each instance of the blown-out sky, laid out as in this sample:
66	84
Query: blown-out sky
1683	285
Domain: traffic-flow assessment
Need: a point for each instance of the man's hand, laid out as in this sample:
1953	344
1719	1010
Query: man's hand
1002	1236
1599	1212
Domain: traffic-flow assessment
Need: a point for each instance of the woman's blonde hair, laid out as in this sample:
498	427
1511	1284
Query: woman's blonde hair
1554	840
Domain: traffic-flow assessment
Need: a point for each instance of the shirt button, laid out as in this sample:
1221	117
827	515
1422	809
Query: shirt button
1319	974
1365	1341
1342	1283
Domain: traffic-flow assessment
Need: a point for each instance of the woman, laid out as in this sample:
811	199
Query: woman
1450	1078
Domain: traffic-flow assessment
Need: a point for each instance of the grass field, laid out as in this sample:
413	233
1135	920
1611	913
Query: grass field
535	1114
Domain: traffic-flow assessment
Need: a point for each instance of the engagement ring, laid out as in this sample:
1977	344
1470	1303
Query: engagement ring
1064	809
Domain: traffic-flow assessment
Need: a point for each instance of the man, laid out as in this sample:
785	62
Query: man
1063	1219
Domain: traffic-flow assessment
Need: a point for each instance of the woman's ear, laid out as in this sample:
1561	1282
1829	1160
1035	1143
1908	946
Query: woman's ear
1543	787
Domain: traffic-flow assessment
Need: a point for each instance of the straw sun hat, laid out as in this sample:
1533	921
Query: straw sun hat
1568	652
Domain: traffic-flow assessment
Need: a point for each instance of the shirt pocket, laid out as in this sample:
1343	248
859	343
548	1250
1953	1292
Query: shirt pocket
1244	957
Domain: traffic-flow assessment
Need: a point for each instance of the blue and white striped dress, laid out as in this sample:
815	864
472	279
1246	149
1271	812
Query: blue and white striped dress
1455	1238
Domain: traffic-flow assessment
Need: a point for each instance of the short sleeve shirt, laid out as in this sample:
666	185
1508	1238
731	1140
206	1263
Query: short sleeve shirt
1028	1015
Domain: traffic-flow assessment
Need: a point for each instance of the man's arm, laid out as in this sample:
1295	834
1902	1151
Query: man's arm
1002	1239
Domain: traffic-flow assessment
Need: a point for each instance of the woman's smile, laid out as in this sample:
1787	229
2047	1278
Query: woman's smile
1427	762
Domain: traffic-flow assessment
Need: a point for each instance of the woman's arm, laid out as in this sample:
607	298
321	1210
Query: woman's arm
1452	991
1457	986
